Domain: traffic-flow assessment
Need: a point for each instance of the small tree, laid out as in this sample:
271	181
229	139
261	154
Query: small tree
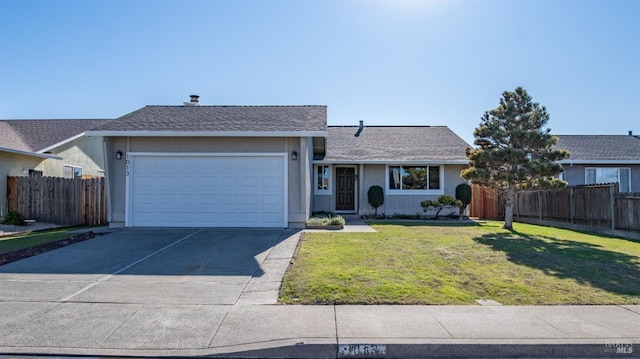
514	151
442	202
463	194
375	196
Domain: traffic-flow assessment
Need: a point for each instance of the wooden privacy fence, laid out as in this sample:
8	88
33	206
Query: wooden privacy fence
57	200
485	202
598	208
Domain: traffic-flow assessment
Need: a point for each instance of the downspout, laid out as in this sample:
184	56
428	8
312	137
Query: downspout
107	186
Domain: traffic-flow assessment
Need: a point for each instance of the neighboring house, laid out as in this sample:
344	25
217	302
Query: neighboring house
410	163
259	166
55	148
602	159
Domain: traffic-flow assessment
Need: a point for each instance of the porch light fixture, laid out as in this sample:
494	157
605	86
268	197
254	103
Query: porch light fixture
294	155
119	155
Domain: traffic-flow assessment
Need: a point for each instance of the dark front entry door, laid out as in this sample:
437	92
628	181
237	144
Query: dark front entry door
345	183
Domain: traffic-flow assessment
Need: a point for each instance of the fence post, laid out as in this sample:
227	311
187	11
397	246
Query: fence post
539	205
612	207
572	204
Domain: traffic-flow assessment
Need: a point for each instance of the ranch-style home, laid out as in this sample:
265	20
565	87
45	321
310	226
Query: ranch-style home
602	159
266	166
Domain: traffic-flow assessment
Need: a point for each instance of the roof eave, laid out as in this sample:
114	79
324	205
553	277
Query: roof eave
600	162
207	133
31	154
392	162
46	149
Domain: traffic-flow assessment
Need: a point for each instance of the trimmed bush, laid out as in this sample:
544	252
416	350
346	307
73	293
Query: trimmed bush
440	204
463	194
375	195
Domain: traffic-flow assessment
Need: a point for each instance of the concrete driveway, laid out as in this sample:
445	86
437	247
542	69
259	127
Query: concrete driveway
139	289
157	266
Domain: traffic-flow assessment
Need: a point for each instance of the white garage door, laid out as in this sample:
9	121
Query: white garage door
206	190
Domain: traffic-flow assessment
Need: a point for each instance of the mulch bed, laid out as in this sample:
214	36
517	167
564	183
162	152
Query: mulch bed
35	250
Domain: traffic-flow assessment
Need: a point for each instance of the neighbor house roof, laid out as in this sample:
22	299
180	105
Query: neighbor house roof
41	135
219	121
600	148
394	144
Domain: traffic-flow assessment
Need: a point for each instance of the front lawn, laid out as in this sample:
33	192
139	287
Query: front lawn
26	240
417	263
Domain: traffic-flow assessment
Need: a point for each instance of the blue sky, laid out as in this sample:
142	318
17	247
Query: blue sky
384	62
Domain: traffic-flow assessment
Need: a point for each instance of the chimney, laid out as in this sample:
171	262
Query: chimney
360	128
630	133
193	101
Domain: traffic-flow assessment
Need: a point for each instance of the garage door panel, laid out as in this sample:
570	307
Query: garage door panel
212	191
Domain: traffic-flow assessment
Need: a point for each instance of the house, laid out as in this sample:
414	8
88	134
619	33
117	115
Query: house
264	166
602	159
55	148
410	163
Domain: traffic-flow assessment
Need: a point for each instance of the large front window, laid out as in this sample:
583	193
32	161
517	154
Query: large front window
414	178
622	176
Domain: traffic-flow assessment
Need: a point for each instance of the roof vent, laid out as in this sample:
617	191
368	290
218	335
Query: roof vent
193	101
360	128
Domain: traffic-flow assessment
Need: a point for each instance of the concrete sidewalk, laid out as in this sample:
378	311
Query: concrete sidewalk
319	331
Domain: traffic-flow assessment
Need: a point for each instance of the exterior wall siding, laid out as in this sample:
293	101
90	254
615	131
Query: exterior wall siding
575	175
394	204
85	152
322	203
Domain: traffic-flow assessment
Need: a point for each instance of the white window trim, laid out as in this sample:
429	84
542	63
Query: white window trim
316	190
615	168
407	192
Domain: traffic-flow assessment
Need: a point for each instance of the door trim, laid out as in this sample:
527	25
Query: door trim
355	189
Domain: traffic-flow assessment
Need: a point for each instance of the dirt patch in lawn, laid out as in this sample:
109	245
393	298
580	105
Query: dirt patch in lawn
42	248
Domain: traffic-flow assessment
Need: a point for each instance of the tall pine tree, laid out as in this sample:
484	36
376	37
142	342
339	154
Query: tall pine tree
514	150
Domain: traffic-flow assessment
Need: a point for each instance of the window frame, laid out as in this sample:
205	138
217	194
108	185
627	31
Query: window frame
317	190
73	171
617	169
35	173
410	192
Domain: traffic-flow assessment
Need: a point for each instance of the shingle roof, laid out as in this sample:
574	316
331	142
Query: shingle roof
600	147
221	119
36	135
394	143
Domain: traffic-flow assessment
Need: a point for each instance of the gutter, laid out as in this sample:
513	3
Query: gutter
31	154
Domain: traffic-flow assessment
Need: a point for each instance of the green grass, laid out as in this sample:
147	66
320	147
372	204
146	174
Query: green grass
417	263
21	241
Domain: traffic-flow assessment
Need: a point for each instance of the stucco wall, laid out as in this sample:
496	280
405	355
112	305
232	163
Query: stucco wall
574	175
12	164
85	152
298	200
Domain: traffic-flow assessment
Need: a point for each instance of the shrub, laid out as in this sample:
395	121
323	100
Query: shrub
375	196
463	193
14	218
326	220
440	204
